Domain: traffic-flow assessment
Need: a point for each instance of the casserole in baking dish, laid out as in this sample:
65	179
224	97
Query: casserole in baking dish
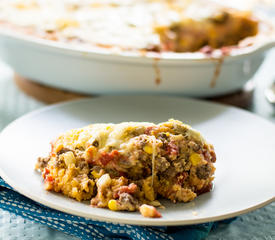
134	25
127	47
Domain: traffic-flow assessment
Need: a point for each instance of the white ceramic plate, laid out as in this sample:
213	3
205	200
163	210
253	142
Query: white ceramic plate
244	145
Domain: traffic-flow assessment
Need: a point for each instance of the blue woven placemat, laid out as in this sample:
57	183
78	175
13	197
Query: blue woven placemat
84	228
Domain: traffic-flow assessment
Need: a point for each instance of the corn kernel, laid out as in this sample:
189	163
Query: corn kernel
195	159
112	205
74	191
58	147
148	149
61	172
96	174
74	183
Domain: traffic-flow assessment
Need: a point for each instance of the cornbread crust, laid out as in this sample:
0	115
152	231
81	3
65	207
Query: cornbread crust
123	166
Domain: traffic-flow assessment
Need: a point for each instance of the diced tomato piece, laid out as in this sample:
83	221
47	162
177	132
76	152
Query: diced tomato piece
45	172
128	189
172	148
105	158
148	130
131	188
49	178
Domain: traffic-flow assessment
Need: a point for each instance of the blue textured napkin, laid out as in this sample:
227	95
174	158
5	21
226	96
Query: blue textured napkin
86	229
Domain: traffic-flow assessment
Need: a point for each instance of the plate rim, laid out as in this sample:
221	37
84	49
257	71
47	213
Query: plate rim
145	221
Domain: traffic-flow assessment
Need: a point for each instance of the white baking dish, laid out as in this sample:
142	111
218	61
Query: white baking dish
99	71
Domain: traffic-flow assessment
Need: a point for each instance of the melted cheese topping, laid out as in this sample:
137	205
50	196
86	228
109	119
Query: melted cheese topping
153	159
126	24
107	135
119	136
